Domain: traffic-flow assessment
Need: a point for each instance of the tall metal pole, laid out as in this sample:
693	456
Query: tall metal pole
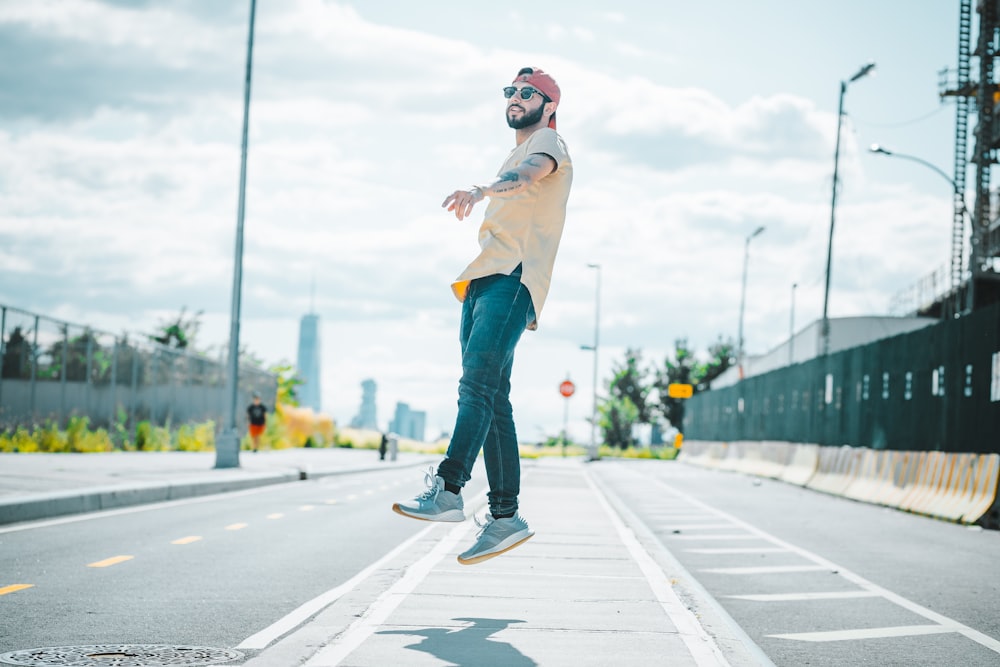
743	298
227	449
597	340
791	329
825	329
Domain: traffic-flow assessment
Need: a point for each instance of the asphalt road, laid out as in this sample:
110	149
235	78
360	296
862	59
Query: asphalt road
810	579
205	572
818	580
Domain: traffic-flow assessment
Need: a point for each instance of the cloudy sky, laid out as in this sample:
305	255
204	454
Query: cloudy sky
690	125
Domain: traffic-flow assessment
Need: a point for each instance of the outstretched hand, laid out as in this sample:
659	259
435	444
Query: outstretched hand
462	201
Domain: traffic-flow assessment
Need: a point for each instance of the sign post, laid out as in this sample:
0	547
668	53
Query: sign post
567	388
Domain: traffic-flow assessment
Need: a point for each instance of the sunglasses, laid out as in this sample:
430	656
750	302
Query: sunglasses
526	93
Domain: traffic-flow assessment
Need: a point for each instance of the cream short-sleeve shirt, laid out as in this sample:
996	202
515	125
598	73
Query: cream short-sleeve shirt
526	228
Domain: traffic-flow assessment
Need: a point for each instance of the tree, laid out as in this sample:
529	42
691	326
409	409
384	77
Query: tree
682	369
722	355
288	380
617	416
627	403
630	381
179	333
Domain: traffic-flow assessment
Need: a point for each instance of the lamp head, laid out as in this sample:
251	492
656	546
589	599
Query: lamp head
876	148
864	71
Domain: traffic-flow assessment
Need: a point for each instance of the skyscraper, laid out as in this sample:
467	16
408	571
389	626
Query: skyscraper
308	363
409	423
366	417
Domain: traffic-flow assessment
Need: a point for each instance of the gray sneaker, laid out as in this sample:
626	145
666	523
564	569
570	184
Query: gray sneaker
434	504
495	537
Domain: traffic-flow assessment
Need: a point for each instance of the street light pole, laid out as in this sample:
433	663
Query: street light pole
743	297
825	331
227	449
593	454
957	255
791	329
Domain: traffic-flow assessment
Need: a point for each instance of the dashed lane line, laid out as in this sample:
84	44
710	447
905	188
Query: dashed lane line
13	588
187	540
108	562
943	623
236	526
275	515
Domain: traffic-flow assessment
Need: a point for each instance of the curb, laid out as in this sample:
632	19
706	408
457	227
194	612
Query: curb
94	499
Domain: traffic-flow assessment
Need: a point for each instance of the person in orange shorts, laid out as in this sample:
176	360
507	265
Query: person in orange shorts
257	416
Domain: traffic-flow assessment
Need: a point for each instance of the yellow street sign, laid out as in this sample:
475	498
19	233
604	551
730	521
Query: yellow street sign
680	390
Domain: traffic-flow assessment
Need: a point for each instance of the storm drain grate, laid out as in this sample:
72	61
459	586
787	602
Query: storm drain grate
119	655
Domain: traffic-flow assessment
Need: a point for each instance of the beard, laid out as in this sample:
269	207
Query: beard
527	119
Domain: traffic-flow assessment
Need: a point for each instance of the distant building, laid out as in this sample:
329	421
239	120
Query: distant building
366	417
308	363
409	423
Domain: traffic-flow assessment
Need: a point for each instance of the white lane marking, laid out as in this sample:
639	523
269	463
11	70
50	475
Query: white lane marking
292	620
739	536
765	569
739	550
105	514
796	597
858	580
701	645
386	603
867	633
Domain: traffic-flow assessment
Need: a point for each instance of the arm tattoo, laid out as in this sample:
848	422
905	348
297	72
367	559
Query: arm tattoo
509	180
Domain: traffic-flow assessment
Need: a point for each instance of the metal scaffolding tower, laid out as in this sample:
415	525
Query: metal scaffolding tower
982	96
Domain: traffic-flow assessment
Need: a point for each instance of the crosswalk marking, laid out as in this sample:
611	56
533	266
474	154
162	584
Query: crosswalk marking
795	597
766	569
738	550
867	633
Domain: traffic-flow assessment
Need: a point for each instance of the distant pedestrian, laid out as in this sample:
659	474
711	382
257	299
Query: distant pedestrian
383	447
257	416
502	292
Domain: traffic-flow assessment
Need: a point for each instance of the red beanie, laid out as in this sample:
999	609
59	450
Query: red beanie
543	83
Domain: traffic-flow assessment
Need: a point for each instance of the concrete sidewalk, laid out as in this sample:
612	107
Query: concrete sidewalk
582	591
41	486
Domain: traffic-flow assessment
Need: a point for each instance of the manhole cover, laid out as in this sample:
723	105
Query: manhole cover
120	655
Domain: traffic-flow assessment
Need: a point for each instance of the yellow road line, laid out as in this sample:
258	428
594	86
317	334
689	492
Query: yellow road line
332	501
236	526
187	540
276	515
108	562
307	508
13	588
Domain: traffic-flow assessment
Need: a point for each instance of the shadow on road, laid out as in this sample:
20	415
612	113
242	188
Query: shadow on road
471	646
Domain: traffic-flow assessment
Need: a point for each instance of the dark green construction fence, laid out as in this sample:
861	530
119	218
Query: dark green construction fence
933	389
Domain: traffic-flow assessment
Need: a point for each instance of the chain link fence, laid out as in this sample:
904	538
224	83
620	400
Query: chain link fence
54	370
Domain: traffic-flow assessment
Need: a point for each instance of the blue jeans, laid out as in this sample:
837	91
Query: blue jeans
495	313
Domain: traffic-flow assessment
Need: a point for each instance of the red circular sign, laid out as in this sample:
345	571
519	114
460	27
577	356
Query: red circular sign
567	388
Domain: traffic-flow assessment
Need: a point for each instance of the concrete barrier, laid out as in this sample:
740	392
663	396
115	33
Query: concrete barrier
984	487
802	464
953	486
